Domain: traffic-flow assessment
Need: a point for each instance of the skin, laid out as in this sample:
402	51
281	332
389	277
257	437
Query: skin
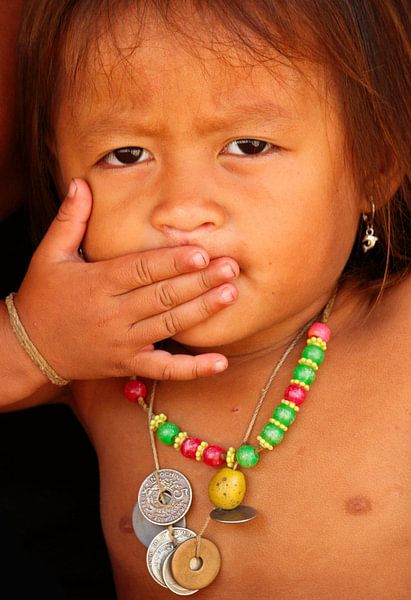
116	303
194	188
331	499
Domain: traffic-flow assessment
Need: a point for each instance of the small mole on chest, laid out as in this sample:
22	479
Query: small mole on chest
125	525
358	505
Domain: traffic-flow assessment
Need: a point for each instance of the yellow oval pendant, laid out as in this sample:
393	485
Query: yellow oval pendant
227	488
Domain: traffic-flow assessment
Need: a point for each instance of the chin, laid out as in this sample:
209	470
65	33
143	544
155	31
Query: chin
216	331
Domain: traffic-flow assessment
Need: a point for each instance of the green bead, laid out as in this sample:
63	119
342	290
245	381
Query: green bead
247	456
167	432
314	353
284	414
272	434
304	373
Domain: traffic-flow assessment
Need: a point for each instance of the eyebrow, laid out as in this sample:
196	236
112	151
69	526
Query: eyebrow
123	123
266	112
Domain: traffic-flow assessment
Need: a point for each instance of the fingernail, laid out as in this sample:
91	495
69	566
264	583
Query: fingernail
72	189
198	260
220	365
227	295
228	271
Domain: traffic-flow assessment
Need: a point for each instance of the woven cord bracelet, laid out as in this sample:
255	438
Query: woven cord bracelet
28	346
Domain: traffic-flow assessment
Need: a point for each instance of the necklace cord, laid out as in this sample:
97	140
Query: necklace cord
325	314
273	375
153	442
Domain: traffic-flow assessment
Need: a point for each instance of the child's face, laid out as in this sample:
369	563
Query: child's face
164	142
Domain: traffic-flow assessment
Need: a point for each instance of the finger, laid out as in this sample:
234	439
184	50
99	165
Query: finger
66	232
162	365
169	293
137	270
185	316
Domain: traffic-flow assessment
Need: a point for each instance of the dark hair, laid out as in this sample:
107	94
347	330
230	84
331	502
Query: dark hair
365	45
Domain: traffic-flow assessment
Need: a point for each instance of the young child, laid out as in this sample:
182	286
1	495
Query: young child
276	134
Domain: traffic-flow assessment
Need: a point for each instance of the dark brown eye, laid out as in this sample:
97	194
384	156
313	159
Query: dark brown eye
126	156
247	147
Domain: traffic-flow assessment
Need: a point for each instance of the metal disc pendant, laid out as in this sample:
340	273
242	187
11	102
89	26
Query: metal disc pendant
170	582
241	514
144	529
195	573
161	546
174	503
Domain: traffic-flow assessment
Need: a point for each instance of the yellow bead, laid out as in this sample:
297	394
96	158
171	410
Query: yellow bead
309	363
278	424
179	439
301	384
157	420
227	488
200	450
230	457
291	405
315	341
264	444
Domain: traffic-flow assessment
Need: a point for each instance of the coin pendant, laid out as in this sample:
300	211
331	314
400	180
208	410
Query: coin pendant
163	545
170	582
169	507
144	529
193	572
241	514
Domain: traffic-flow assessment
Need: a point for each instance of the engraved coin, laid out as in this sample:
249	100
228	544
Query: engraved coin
145	530
163	545
169	507
193	572
241	514
170	582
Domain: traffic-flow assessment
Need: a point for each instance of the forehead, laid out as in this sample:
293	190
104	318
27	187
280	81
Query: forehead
149	68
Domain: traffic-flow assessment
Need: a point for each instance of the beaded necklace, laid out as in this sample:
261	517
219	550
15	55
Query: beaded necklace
171	552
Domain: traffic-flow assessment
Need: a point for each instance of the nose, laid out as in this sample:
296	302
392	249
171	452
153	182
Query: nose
186	205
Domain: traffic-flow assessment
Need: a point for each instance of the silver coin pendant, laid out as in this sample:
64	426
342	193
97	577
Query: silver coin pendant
162	546
145	530
169	505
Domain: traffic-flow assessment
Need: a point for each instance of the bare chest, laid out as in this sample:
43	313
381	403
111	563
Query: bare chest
330	501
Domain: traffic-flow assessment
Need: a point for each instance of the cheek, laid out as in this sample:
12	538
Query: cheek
304	234
118	223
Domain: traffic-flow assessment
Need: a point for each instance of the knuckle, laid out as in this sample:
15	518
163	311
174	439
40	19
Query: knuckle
167	372
123	367
205	308
204	280
175	263
195	371
63	215
143	271
171	322
165	295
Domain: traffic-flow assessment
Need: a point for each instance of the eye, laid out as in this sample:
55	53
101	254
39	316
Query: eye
123	157
248	147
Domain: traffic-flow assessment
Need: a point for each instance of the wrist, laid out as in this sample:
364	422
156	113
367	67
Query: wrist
19	375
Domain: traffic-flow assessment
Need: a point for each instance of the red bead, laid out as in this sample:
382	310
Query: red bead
213	456
320	330
295	393
135	389
189	447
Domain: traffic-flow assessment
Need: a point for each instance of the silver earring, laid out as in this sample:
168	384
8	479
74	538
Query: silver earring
370	239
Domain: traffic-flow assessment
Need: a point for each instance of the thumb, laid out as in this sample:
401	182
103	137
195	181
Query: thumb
66	232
